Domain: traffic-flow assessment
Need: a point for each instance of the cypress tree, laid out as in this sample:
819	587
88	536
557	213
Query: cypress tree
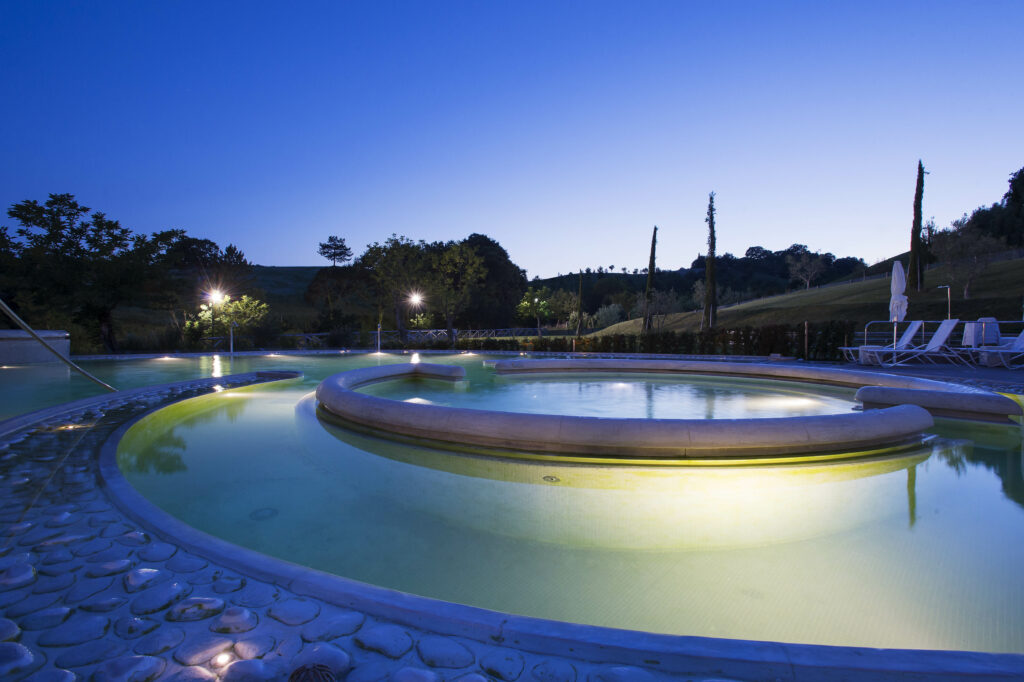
648	292
579	308
710	297
915	270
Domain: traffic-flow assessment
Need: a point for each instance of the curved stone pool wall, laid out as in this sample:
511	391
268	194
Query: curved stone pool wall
629	440
96	583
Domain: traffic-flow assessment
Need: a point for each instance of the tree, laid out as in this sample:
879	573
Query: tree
535	305
456	273
495	301
710	291
915	269
85	266
649	289
965	251
579	307
607	315
563	303
805	266
335	250
245	314
399	269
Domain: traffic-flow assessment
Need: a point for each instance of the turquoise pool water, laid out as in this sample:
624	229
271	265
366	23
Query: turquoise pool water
920	550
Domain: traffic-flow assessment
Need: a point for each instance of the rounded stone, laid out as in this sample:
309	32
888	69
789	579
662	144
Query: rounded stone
472	677
103	604
375	671
108	568
75	630
200	649
55	583
9	630
442	652
14	659
92	547
56	675
141	578
414	675
234	620
228	583
157	551
85	588
251	670
133	628
333	626
18	575
554	671
390	640
134	538
506	665
255	595
89	653
160	597
254	647
46	618
134	668
183	562
322	653
195	608
295	611
193	673
161	640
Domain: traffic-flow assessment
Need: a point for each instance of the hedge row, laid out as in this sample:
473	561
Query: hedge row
823	341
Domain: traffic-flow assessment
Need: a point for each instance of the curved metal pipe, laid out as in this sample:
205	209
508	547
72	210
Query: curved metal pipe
24	325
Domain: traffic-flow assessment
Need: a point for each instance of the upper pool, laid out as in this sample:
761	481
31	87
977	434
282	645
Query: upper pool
920	549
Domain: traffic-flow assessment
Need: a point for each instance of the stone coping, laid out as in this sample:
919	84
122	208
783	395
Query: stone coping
817	374
614	440
88	591
975	406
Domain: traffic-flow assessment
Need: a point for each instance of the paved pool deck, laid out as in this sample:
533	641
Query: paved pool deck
97	584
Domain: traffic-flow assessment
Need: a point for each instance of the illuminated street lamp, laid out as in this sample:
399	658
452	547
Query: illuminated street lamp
215	297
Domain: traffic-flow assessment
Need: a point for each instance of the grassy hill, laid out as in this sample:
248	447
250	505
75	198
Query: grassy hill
996	293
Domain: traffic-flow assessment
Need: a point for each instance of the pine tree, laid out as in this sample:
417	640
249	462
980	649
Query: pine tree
710	297
915	270
650	284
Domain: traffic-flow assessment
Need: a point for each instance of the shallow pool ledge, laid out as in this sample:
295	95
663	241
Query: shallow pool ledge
625	440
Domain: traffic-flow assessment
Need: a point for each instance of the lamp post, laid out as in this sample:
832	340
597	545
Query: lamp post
414	301
949	303
215	297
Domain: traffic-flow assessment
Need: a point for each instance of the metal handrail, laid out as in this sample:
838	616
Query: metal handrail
24	325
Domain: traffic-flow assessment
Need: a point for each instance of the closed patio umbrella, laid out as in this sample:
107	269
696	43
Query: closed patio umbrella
897	301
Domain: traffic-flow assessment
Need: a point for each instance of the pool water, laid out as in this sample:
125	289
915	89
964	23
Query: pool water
919	550
650	396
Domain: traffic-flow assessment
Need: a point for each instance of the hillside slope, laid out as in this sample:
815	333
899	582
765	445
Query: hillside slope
996	293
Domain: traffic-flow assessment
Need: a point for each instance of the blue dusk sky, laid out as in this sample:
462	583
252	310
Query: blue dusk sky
564	130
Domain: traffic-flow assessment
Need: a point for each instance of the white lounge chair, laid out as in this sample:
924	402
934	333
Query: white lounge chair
936	349
1011	355
871	355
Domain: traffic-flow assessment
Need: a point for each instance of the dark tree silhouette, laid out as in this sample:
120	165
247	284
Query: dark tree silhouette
915	269
335	250
649	290
710	297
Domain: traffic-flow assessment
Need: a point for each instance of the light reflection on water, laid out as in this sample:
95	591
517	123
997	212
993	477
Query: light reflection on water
921	551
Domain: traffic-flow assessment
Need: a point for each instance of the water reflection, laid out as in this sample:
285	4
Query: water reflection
623	507
997	448
158	442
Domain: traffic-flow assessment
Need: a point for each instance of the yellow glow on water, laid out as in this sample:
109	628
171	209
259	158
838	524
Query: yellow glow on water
217	371
786	402
218	388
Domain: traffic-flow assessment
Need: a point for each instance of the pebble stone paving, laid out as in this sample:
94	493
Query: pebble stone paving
87	594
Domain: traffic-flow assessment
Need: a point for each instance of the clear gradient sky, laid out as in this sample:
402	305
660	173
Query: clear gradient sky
565	130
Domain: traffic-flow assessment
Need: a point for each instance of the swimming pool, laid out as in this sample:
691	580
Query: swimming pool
913	550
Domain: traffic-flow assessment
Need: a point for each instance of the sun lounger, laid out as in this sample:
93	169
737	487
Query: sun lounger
1010	355
937	349
871	355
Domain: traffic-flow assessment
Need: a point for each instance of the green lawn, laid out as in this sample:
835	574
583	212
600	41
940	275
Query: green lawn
997	293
